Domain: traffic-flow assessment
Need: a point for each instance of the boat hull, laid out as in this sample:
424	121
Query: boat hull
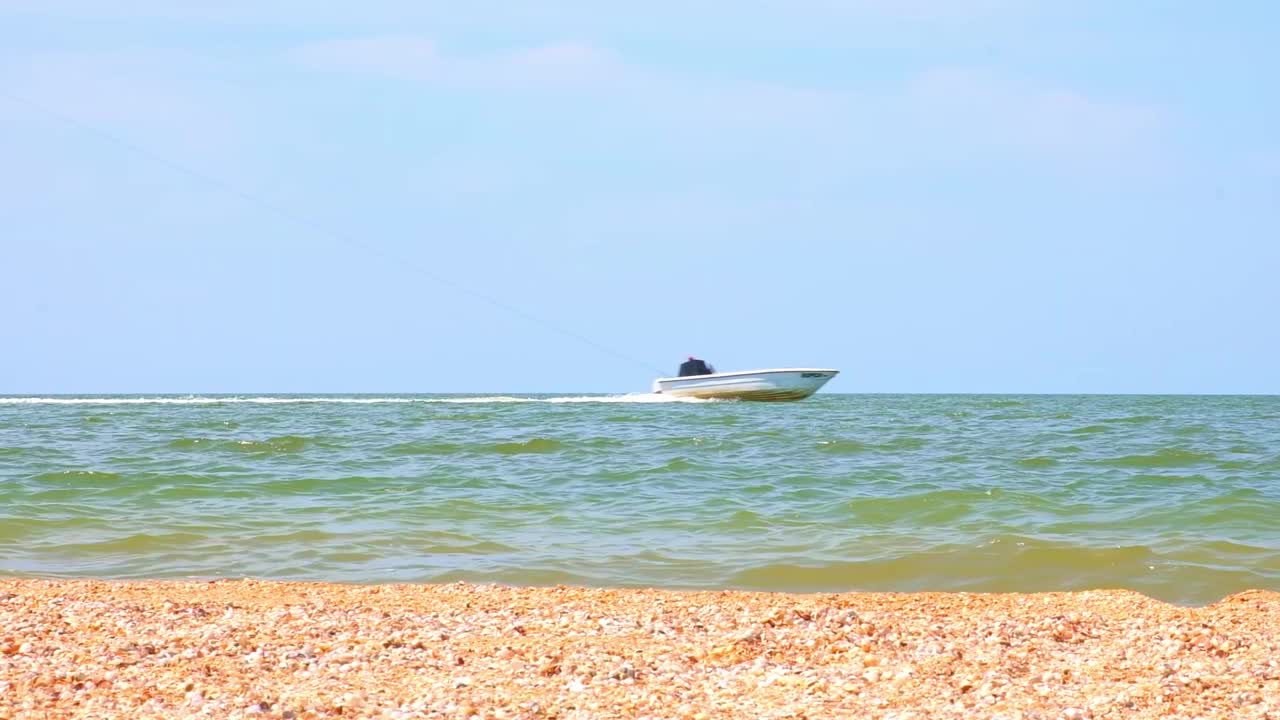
778	385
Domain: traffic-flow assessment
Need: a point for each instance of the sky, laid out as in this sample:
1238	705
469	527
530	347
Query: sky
392	196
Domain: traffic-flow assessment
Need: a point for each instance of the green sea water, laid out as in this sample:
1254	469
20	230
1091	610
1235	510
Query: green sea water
1177	497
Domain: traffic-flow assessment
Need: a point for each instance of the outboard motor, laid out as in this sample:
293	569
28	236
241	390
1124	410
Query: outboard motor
694	366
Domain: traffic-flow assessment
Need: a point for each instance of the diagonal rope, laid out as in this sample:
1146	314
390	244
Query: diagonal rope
303	220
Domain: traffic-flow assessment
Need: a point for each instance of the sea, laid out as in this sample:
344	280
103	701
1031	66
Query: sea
1177	497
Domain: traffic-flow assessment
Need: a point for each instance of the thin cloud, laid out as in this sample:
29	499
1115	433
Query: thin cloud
977	106
667	99
919	9
490	12
164	99
932	115
565	65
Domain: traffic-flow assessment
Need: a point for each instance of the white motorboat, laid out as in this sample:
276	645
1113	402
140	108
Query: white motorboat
770	385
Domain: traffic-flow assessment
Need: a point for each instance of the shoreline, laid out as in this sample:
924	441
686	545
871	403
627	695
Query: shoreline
276	649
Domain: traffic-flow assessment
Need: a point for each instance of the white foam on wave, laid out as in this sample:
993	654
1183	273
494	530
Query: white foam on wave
194	400
277	400
629	398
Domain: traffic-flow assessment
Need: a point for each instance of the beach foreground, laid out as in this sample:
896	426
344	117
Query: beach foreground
228	649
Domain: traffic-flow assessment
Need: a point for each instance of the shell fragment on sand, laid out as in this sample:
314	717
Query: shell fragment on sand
93	649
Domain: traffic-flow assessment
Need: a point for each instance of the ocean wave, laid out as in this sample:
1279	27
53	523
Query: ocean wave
1017	564
78	477
1168	479
933	507
1037	462
647	494
844	447
674	466
849	447
1089	430
284	444
425	448
140	542
534	445
1167	457
701	443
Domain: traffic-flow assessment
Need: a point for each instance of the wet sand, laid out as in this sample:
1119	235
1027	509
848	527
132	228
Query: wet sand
231	649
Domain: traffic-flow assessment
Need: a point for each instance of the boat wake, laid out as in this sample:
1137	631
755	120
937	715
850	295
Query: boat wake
630	398
340	400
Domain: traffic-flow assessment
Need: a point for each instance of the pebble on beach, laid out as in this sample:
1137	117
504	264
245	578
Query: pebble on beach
257	649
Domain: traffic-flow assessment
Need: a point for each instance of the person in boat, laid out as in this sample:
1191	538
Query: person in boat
694	366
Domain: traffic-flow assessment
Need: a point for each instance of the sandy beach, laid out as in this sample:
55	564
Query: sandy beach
232	649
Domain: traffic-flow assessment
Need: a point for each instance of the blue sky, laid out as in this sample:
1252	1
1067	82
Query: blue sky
932	196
